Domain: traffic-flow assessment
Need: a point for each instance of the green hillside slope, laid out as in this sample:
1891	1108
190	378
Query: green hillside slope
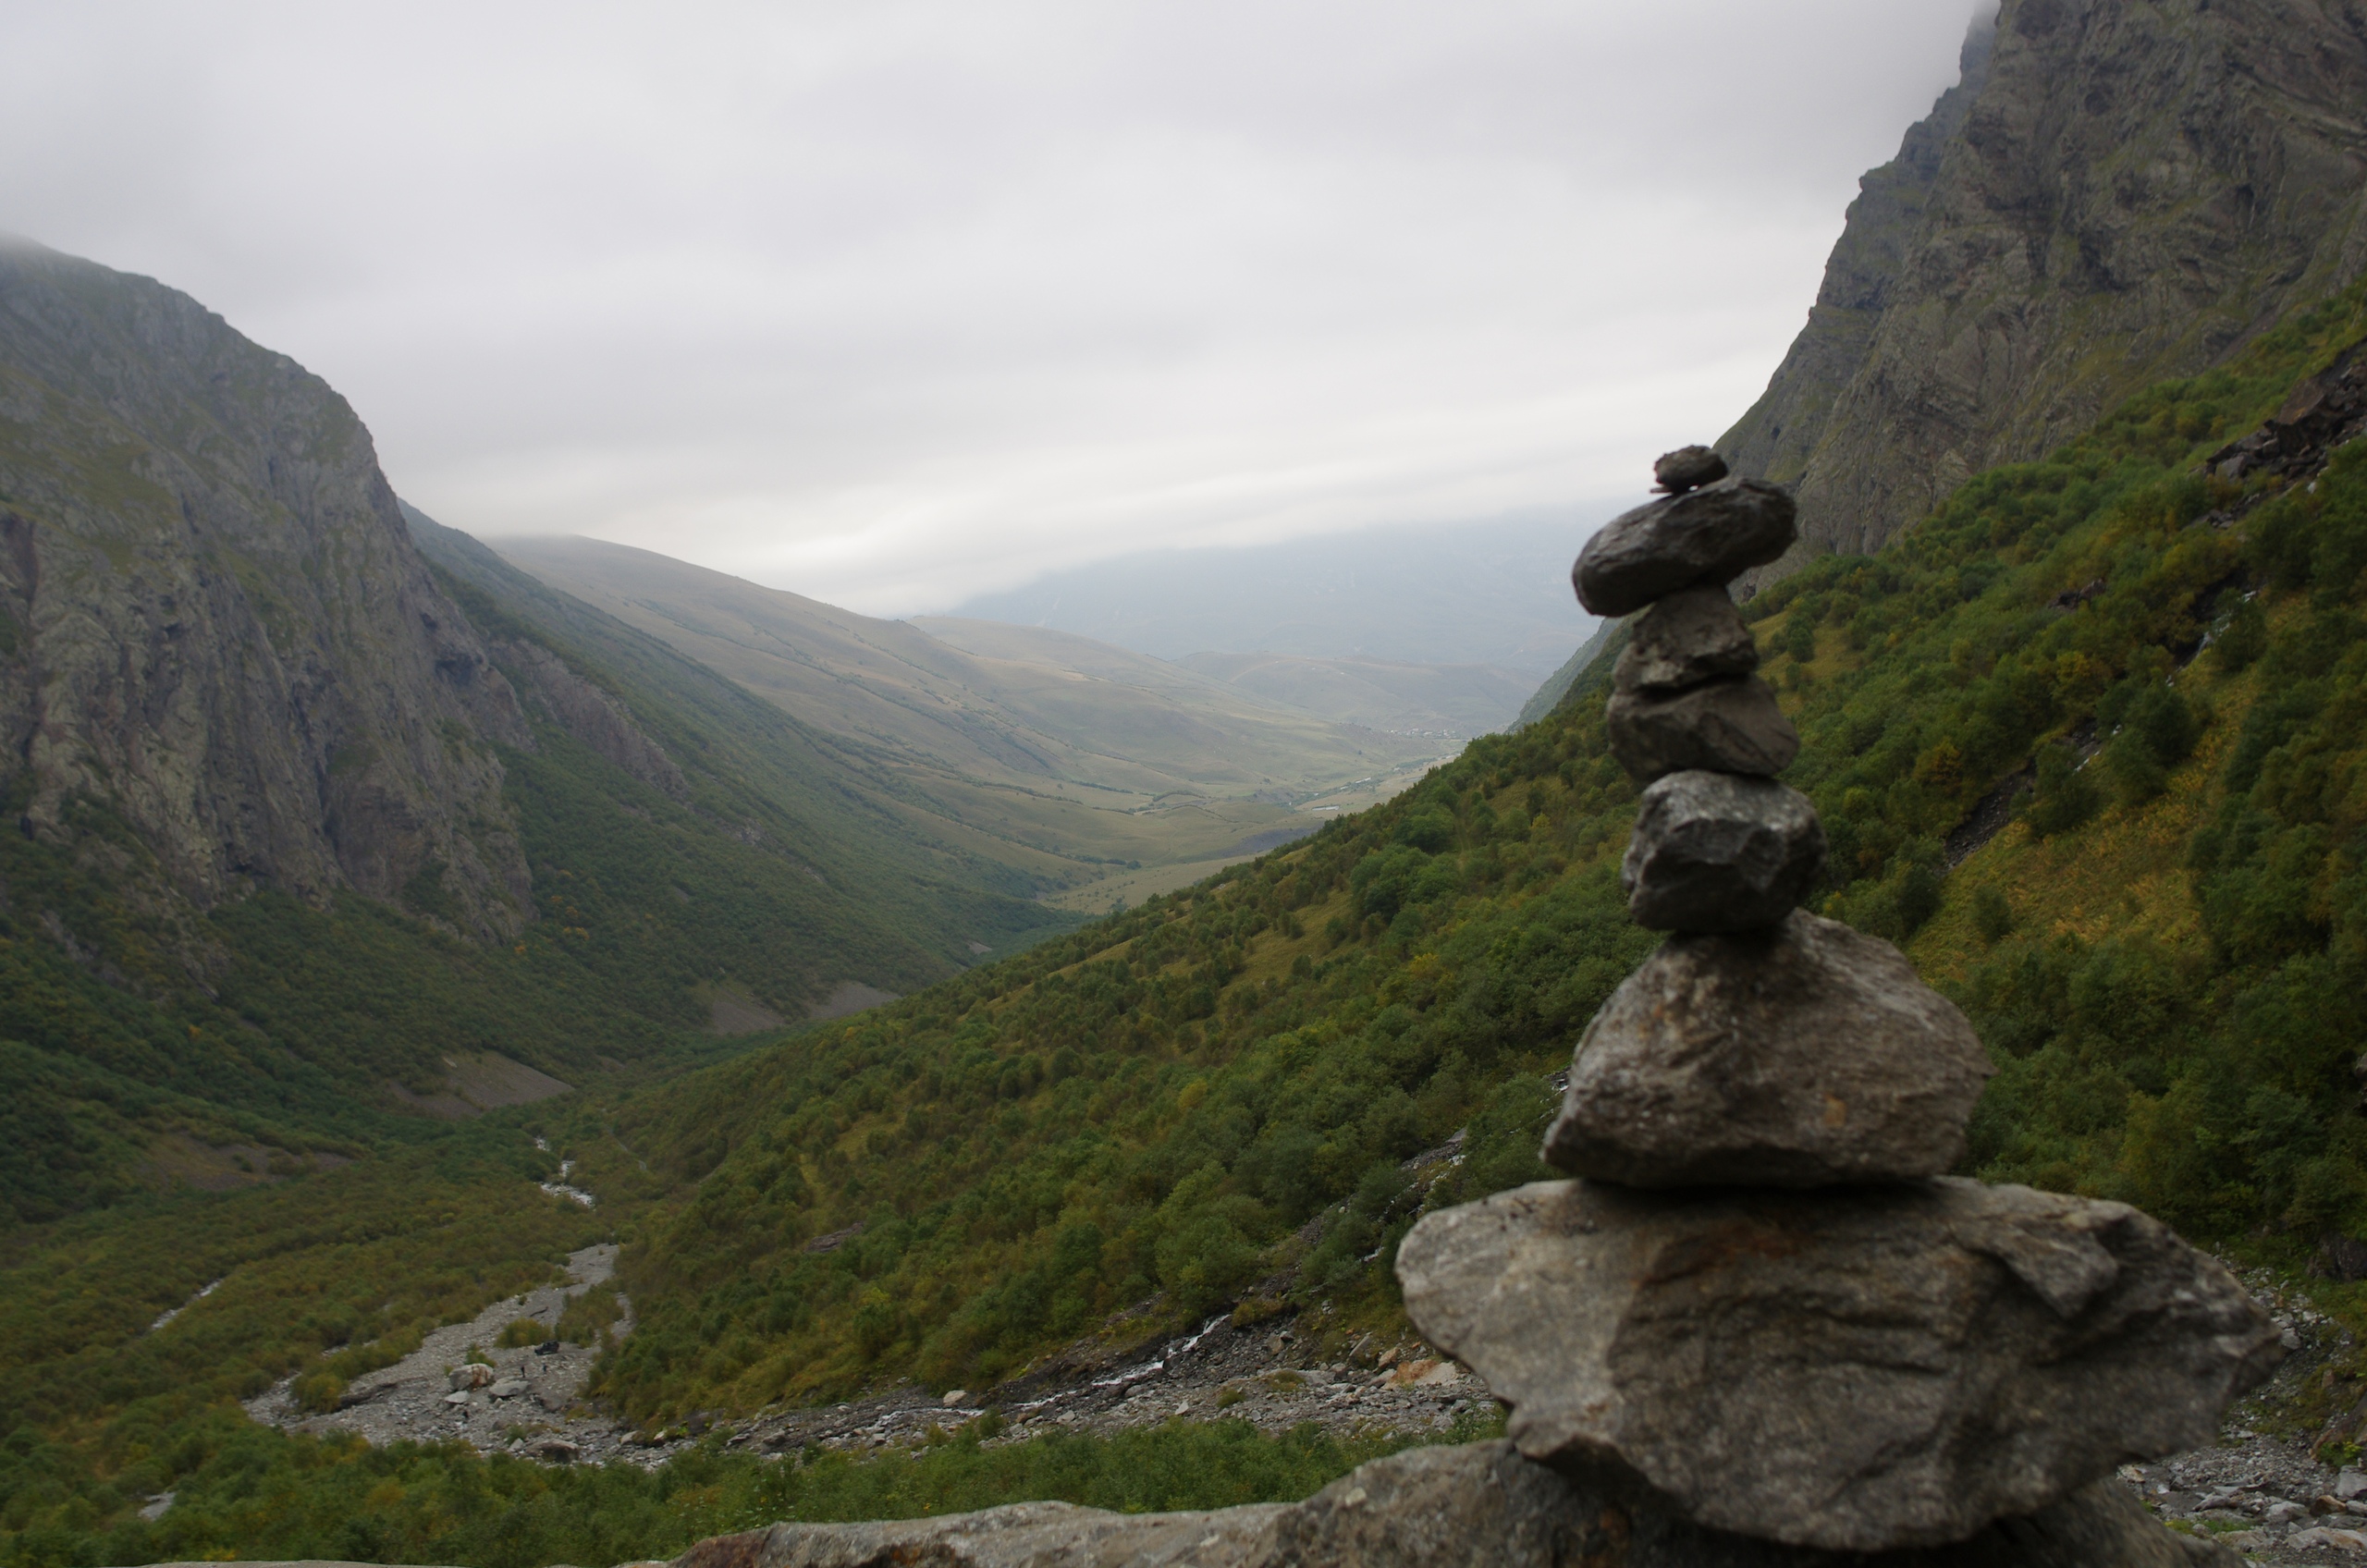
1238	1097
1157	1113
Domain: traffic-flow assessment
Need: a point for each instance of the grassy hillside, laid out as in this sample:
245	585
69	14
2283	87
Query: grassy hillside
1064	758
1158	1112
1217	1100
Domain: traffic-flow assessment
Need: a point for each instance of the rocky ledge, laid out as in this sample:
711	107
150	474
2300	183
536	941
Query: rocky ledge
1481	1504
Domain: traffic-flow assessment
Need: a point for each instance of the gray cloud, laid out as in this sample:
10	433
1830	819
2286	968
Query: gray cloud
892	302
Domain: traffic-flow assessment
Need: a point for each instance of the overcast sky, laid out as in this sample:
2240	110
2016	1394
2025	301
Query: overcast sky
892	302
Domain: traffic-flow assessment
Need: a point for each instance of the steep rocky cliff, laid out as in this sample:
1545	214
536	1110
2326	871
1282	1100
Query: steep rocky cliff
2115	193
215	630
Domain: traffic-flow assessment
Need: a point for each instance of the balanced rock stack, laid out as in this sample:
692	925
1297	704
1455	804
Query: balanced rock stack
1762	1298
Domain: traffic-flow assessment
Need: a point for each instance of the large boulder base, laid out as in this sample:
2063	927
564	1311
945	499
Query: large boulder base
1856	1369
1799	1055
1712	534
1478	1506
1713	851
1725	727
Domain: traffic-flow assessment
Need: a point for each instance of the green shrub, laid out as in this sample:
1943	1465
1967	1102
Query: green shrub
521	1333
2067	797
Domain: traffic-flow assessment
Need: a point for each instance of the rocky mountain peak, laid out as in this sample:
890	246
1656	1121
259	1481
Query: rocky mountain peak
2112	195
214	628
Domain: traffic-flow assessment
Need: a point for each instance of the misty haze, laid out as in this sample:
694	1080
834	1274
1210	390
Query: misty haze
1262	786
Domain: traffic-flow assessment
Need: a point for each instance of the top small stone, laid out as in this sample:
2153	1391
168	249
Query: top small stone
1687	468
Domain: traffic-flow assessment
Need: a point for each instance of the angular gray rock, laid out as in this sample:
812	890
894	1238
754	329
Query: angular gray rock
1714	853
1478	1506
1712	534
1687	468
1695	634
1854	1369
1732	725
1800	1056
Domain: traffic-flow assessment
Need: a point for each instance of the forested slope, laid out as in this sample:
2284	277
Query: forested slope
2086	741
1156	1114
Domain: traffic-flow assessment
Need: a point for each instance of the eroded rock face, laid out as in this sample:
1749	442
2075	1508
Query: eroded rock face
1852	1369
1695	634
1712	851
219	624
1478	1506
1800	1056
1730	726
1710	536
1910	377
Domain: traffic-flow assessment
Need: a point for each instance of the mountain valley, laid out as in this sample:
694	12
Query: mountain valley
541	1053
1064	757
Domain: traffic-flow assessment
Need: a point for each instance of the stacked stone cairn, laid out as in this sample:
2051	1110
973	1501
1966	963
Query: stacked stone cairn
1762	1299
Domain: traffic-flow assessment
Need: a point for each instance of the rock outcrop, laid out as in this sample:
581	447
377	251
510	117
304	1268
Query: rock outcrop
217	627
1855	1370
2113	195
1478	1506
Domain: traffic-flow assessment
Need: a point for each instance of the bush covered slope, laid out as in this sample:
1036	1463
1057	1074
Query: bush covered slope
1164	1110
2091	755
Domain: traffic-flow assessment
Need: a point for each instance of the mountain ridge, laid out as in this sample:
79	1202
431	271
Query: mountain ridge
238	652
2113	196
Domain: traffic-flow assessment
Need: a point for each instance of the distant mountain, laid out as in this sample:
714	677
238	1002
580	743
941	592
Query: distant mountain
213	625
1055	754
2112	195
1494	592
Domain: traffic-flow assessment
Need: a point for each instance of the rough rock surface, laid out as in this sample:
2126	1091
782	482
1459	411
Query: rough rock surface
1695	634
1854	1369
1711	536
1714	853
1800	1056
2115	195
1732	725
216	621
1478	1506
1687	468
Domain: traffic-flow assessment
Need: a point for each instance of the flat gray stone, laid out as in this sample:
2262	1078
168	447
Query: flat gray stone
1731	725
1854	1369
1799	1055
1479	1506
1695	634
1687	468
1712	851
1712	534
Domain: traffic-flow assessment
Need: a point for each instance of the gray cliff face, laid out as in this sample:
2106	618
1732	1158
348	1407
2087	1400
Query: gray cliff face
213	624
2114	195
